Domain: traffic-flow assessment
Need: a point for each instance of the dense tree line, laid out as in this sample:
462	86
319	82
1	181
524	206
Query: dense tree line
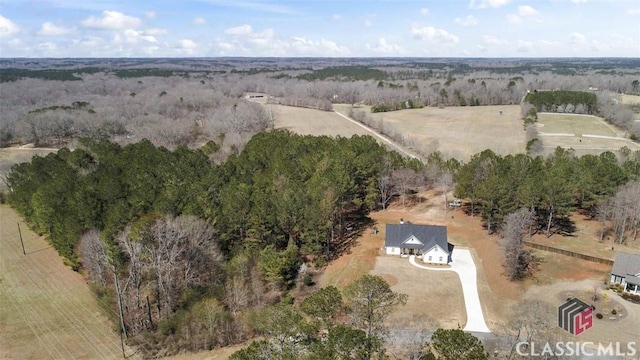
561	101
551	187
184	248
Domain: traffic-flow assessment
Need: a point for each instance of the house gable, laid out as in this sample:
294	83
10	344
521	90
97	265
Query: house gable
412	240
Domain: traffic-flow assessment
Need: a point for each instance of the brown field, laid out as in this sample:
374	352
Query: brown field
423	286
46	309
630	99
574	131
314	122
459	131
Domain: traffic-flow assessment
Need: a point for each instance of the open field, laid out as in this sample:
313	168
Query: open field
459	131
586	134
422	286
46	309
574	124
314	122
630	99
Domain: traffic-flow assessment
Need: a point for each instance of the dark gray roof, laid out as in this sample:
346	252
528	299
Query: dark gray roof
428	235
626	264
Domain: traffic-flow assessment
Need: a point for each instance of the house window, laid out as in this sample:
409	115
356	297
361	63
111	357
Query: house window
440	258
430	257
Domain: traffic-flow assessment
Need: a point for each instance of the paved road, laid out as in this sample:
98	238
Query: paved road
464	266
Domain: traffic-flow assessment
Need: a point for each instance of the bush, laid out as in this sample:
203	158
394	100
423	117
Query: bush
599	316
613	312
308	280
631	297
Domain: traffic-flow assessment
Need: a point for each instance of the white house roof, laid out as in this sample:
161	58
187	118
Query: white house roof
413	236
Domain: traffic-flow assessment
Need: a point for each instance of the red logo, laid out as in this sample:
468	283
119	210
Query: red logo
575	316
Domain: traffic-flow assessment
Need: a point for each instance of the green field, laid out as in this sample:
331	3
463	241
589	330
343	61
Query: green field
585	134
574	124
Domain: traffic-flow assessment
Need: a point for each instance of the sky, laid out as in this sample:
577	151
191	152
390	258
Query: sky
319	28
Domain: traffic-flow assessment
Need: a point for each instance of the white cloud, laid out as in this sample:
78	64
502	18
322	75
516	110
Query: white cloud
424	11
484	4
526	10
514	19
468	20
524	46
50	29
577	38
492	40
433	34
368	22
155	32
239	30
150	14
336	17
7	27
112	20
199	21
47	47
578	1
633	11
89	41
132	37
188	44
383	47
322	47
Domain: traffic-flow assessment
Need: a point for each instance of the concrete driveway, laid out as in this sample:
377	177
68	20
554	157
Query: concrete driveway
463	265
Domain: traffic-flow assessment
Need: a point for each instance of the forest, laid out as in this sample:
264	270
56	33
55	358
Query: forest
191	101
195	220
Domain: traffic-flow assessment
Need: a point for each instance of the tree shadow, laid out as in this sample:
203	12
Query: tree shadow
354	226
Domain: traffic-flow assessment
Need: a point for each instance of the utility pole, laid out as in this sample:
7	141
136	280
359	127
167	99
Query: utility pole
21	242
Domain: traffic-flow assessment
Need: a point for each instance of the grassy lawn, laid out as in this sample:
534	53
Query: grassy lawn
630	99
46	309
575	124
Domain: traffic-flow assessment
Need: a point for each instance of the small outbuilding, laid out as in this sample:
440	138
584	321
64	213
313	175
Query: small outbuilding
428	242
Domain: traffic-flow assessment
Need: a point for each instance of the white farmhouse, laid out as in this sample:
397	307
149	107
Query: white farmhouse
428	242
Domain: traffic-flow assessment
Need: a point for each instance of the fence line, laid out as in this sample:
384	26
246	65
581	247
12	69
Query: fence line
569	253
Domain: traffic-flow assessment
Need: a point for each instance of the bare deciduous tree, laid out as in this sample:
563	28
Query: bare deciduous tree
518	261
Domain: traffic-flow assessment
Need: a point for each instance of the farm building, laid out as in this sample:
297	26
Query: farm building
626	271
428	242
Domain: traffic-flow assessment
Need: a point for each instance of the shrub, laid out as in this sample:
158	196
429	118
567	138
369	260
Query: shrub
613	312
599	316
308	280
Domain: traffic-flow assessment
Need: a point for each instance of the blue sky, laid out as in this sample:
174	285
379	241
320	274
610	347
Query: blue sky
348	28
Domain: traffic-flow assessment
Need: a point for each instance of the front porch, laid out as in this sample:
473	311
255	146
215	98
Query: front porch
406	252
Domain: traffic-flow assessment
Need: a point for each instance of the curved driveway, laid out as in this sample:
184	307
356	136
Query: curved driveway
464	266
